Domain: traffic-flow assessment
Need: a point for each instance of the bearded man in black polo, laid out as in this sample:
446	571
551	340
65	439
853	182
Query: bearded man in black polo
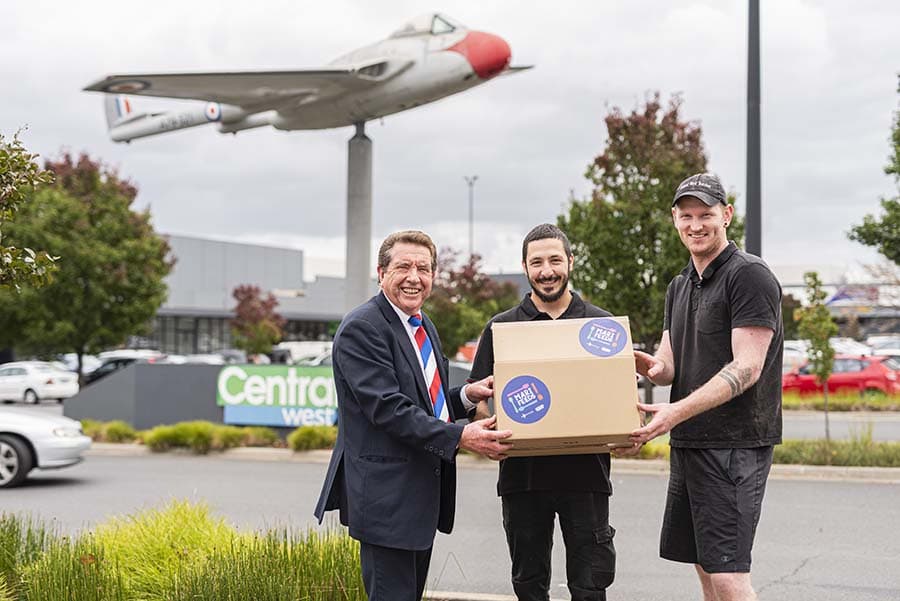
534	490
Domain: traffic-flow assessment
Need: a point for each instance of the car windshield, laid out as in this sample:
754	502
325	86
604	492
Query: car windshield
892	363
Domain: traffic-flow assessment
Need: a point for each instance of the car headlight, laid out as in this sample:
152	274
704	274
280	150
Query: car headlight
66	432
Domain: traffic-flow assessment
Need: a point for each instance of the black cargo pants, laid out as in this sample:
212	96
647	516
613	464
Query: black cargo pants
528	518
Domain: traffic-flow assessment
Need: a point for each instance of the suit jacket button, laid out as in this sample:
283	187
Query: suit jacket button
437	471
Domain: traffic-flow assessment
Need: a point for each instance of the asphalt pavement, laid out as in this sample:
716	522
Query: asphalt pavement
825	535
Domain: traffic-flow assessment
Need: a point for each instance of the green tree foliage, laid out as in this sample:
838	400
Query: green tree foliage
816	325
626	247
789	305
884	233
464	298
256	326
109	282
19	176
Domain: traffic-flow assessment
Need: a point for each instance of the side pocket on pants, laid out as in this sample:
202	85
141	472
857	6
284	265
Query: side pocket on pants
604	557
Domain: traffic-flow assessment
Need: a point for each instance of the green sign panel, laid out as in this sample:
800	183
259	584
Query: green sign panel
277	395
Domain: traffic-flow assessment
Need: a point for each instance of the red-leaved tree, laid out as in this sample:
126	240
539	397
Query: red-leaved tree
256	326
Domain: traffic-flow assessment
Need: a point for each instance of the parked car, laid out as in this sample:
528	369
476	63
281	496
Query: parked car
29	440
113	361
107	367
88	362
32	381
851	373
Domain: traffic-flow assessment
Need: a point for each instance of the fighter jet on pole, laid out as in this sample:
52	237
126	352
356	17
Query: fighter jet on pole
429	58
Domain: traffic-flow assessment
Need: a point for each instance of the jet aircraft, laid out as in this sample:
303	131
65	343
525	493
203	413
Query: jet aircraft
429	58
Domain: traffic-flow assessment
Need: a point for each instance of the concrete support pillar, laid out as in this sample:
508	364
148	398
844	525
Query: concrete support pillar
359	217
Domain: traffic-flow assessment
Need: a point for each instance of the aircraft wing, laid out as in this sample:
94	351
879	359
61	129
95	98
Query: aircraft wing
257	90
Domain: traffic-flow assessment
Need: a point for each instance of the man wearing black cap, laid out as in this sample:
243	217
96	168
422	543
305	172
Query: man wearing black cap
721	351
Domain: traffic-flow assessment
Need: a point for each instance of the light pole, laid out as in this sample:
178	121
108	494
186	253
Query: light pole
470	180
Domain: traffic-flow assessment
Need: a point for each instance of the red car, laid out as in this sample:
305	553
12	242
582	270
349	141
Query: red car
851	373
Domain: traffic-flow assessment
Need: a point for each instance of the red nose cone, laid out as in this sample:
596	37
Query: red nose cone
487	53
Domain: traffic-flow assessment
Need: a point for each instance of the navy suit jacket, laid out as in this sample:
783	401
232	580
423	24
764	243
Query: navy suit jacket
392	473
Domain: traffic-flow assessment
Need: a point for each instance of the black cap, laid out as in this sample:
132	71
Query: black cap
704	186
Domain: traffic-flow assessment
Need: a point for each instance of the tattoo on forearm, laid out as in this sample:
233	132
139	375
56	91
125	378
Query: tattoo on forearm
738	378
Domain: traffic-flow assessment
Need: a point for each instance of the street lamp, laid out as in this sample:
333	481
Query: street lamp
470	180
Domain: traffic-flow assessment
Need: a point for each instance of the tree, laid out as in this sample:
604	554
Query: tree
109	282
626	247
816	325
19	176
789	305
463	299
884	234
256	326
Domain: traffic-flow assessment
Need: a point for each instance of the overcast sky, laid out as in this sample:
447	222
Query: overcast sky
829	87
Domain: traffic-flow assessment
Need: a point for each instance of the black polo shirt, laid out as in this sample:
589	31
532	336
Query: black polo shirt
555	472
736	290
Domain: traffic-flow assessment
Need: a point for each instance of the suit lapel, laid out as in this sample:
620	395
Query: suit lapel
399	330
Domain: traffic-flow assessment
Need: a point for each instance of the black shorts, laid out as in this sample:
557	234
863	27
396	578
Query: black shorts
713	506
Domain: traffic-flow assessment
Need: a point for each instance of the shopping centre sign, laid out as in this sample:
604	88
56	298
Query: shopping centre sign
277	395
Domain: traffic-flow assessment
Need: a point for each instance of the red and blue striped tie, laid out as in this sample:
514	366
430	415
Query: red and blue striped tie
432	377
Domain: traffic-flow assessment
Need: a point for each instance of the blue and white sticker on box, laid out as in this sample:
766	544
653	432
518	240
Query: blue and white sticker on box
525	399
603	337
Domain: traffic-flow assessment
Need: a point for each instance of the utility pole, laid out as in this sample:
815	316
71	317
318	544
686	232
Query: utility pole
753	219
470	180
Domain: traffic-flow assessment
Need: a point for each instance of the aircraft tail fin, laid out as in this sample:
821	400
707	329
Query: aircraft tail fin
119	110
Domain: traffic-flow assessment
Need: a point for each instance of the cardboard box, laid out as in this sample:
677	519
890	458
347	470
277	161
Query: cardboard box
565	386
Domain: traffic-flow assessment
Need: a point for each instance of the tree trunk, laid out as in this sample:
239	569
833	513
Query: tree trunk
827	428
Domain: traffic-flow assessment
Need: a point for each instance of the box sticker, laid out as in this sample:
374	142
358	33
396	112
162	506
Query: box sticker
603	337
525	399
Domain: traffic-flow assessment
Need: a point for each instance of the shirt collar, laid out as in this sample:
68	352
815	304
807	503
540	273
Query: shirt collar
404	317
710	270
575	308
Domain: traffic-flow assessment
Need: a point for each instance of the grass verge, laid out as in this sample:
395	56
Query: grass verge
841	402
178	553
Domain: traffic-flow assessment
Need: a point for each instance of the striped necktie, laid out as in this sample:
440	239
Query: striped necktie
432	377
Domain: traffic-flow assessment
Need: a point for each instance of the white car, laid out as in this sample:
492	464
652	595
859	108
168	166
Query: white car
30	440
31	381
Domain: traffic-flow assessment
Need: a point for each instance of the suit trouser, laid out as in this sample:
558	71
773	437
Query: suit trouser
393	574
528	519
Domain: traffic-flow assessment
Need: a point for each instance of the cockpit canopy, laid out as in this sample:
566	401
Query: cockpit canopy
428	24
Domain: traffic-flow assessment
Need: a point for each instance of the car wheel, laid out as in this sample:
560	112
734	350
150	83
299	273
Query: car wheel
15	461
31	397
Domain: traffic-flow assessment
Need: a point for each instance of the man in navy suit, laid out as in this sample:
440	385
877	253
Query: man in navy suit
392	473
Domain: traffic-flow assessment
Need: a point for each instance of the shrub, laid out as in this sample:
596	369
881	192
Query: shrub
22	541
227	437
306	438
92	428
196	435
118	431
860	450
152	547
260	436
655	449
279	565
842	401
73	571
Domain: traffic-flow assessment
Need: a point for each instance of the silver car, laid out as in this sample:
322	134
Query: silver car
30	440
